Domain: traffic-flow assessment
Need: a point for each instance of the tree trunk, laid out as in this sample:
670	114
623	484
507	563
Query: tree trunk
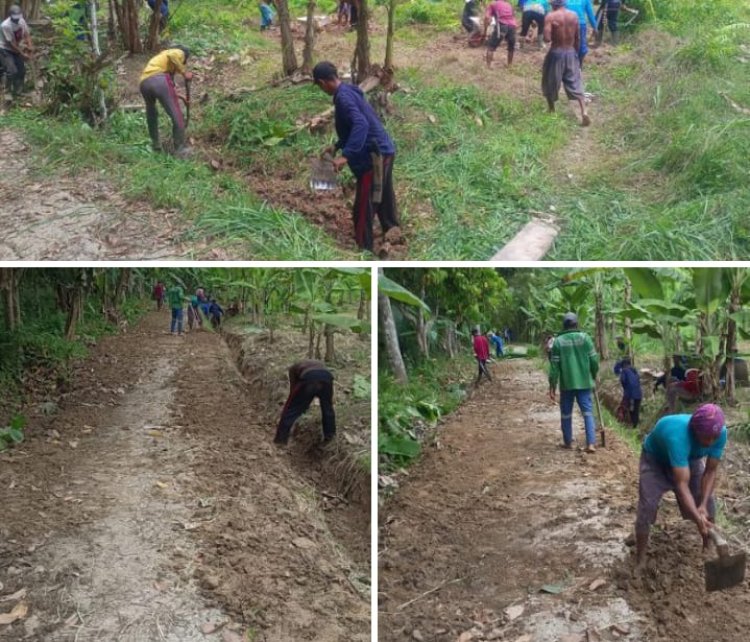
388	63
307	53
152	40
111	21
734	306
422	342
628	321
123	280
388	326
601	333
10	298
127	20
288	57
311	340
318	337
330	351
361	63
75	311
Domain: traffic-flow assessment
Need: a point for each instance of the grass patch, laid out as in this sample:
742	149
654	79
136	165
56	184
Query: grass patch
436	387
218	205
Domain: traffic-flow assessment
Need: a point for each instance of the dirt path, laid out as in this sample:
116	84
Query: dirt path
56	217
496	511
151	506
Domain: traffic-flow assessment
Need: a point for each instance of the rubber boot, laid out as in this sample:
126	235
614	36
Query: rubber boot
616	38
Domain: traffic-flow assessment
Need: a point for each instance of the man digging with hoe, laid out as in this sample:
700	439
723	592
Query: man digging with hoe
368	150
681	454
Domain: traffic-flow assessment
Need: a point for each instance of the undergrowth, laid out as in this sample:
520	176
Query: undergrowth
436	387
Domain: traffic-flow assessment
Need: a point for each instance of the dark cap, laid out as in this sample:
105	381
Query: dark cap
570	319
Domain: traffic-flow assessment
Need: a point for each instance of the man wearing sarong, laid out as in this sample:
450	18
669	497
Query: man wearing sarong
681	454
307	379
368	150
561	64
157	84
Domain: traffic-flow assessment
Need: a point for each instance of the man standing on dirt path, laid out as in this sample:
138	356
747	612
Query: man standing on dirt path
176	299
681	454
307	379
504	28
583	9
561	65
575	364
15	49
157	85
481	353
369	151
158	294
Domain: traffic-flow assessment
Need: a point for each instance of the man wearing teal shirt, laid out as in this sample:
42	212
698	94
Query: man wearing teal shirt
584	9
681	454
574	363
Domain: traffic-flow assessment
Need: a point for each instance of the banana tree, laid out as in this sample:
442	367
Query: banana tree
387	290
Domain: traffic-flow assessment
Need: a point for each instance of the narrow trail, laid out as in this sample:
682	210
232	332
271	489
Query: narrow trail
52	216
151	506
495	511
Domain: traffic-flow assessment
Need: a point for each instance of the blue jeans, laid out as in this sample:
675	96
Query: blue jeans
176	320
585	403
583	48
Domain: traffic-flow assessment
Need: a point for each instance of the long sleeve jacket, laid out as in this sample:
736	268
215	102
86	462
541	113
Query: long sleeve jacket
359	129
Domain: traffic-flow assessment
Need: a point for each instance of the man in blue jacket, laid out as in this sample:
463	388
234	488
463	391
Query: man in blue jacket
584	9
631	389
369	151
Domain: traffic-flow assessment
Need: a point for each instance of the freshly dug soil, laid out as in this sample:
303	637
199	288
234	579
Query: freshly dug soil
498	534
151	505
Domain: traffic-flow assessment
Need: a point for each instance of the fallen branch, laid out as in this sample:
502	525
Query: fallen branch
432	590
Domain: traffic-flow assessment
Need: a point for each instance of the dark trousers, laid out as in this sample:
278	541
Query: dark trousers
299	401
632	411
528	18
15	70
612	15
482	370
364	208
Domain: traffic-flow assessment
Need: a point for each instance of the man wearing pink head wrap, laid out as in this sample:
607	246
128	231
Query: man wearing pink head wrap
681	454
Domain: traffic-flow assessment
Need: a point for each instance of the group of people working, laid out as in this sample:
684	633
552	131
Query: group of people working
680	454
199	306
308	379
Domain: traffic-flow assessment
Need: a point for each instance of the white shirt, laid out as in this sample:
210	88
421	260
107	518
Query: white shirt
12	32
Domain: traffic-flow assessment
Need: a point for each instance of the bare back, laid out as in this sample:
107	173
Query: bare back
561	29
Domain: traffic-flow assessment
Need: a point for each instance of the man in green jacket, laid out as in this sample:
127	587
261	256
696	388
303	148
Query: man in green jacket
574	363
176	300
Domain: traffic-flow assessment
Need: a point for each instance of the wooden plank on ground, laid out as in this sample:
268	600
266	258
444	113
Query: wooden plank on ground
530	244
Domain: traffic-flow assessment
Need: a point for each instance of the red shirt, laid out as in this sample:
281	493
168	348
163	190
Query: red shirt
481	347
503	13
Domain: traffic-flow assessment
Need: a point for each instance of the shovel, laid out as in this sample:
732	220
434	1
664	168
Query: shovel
726	570
601	421
322	174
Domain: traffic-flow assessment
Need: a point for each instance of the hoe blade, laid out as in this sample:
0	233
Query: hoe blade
725	572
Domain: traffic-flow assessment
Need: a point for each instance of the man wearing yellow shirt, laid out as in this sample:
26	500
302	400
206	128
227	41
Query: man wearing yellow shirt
157	84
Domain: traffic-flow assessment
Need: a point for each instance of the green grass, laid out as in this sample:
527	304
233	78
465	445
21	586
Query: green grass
663	176
471	180
436	387
218	206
